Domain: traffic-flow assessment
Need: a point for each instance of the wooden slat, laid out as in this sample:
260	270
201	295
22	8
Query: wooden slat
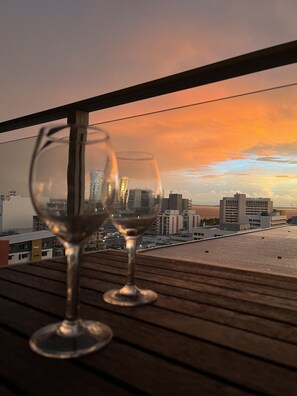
259	325
110	362
34	375
177	273
229	339
189	325
113	266
175	284
257	318
253	277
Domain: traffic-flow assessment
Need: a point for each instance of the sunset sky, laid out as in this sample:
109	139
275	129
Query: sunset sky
57	52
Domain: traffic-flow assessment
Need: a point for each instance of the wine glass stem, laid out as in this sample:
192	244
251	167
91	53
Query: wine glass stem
131	247
73	253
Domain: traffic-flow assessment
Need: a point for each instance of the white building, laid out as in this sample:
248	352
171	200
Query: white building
272	220
139	198
210	232
169	222
252	212
96	180
190	220
15	212
24	248
237	209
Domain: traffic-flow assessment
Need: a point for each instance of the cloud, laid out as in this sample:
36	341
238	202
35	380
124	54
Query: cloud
271	159
285	146
201	136
223	175
286	177
276	159
211	176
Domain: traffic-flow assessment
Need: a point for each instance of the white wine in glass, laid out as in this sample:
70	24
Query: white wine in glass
73	179
137	206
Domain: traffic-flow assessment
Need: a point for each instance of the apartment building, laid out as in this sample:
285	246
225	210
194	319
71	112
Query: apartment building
169	222
176	202
172	222
190	220
236	209
24	248
250	212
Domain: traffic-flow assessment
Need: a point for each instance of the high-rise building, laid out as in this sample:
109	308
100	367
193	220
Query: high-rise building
237	209
190	220
176	202
186	204
169	223
139	198
164	204
123	189
96	180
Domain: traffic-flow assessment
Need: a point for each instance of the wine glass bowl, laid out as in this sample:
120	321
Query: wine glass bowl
73	179
137	206
63	192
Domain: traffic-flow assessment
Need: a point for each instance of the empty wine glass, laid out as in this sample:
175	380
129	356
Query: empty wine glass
72	185
137	206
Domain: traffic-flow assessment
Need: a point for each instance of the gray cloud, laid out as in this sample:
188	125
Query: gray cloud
276	159
48	60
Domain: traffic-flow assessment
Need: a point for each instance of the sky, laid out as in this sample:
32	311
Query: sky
58	52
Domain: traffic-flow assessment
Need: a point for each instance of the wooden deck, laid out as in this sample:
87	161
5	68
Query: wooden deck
212	331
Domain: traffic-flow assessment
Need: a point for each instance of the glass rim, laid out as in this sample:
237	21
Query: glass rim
134	155
56	128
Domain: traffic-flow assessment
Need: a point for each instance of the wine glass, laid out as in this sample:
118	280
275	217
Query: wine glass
73	179
137	206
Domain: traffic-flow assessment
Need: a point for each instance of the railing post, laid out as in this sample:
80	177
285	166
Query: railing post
76	160
78	117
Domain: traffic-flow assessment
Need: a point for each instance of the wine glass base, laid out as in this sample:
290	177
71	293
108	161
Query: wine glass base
64	340
129	296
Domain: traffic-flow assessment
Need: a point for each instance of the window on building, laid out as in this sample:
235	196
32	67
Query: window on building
44	253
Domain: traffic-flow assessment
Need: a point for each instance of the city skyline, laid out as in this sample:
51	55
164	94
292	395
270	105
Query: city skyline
246	144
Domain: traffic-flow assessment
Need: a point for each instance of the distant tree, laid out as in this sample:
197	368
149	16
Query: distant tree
210	222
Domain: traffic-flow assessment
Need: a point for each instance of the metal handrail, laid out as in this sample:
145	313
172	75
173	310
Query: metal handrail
264	59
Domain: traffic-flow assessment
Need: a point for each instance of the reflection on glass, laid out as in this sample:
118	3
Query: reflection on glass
72	185
137	205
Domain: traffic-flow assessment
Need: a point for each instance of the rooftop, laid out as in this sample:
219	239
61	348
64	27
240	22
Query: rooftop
29	236
271	250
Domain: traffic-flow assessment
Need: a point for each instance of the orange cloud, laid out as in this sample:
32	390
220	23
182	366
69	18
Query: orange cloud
198	136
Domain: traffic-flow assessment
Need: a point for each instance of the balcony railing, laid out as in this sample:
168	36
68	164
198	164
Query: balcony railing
264	59
78	112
